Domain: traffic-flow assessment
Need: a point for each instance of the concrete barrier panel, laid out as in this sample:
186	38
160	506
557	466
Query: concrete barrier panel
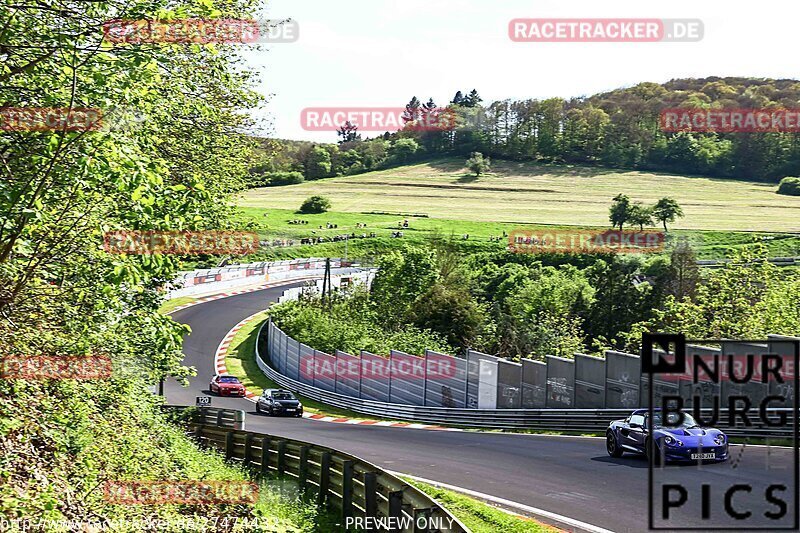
560	383
375	373
590	382
348	374
534	384
446	380
474	359
623	371
509	384
408	379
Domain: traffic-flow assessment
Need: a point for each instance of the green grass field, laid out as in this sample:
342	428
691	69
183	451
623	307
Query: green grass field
721	215
517	193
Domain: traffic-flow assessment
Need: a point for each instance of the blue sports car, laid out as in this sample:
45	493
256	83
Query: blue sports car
676	441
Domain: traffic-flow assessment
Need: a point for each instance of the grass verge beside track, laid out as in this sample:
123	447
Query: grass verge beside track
481	517
240	361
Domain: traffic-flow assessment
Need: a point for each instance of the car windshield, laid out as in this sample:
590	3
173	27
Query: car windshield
228	379
282	396
673	422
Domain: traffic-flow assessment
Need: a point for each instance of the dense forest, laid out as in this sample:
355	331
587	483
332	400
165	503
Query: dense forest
525	306
618	129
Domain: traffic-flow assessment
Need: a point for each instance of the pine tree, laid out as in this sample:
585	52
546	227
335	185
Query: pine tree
412	112
472	99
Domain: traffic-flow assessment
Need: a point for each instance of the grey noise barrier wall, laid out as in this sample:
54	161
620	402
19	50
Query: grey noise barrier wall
534	384
560	383
348	374
622	378
509	384
445	380
407	383
481	375
375	373
590	386
483	381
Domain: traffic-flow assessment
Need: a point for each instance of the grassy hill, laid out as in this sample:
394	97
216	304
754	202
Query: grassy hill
541	194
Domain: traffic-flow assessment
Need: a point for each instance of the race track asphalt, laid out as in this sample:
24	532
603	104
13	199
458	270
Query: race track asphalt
570	476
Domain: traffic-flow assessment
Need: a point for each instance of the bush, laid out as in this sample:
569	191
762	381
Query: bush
315	204
478	164
789	186
272	179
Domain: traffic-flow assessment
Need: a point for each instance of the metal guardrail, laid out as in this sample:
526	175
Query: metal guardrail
212	416
568	420
355	487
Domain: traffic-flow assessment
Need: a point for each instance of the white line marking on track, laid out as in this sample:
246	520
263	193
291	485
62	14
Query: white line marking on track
508	503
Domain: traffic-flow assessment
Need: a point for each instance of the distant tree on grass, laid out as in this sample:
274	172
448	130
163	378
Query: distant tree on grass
318	164
789	186
402	150
477	163
315	204
667	210
619	212
684	272
639	215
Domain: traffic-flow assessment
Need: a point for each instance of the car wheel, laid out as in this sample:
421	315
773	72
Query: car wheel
657	459
612	447
271	412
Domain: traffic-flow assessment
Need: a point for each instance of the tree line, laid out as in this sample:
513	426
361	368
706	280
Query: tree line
617	129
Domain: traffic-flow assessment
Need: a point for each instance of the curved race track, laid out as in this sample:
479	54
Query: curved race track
569	476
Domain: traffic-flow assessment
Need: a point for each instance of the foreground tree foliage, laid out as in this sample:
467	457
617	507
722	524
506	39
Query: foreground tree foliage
166	157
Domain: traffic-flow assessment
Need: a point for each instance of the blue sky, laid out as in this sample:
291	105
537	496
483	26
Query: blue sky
381	53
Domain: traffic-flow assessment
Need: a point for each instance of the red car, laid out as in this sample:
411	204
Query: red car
226	386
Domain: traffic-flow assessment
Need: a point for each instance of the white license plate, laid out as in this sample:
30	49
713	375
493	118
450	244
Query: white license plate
704	456
292	411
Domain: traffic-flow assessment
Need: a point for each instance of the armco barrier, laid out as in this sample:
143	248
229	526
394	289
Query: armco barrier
210	416
199	282
569	420
355	487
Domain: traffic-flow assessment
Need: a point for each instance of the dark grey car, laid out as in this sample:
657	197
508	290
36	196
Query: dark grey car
279	402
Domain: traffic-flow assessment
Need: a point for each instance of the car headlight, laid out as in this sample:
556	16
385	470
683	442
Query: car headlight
719	439
672	441
299	405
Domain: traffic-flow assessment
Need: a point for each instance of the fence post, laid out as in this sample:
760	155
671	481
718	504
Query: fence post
219	417
281	457
396	505
371	493
228	445
427	514
248	448
303	475
347	488
324	477
264	455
